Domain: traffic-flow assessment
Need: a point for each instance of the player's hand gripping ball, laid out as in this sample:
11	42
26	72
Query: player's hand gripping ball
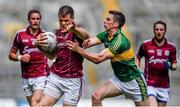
51	42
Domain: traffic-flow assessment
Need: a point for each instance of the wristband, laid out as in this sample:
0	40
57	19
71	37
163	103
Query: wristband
19	57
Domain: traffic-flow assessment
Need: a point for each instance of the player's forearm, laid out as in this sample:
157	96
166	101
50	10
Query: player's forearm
13	57
90	42
138	62
82	33
93	57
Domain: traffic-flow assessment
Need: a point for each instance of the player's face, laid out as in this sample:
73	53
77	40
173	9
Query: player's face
159	32
109	22
34	20
64	21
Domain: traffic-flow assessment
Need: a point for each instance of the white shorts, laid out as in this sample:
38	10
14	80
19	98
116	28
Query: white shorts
161	94
31	84
71	88
135	90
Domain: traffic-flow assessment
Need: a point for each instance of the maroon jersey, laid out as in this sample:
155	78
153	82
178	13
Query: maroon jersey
155	72
36	67
68	64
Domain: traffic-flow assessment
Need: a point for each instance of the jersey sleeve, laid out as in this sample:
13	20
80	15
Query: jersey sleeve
172	58
120	48
115	47
141	51
101	36
119	45
16	41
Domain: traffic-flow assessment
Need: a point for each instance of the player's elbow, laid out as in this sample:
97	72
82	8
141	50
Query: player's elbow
86	36
98	60
10	57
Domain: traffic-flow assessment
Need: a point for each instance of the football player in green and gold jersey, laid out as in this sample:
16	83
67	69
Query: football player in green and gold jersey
127	79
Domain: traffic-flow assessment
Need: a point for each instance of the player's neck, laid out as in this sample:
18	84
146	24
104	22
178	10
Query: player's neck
159	43
111	33
33	31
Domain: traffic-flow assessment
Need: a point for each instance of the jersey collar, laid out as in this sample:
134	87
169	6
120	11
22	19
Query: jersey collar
39	31
165	42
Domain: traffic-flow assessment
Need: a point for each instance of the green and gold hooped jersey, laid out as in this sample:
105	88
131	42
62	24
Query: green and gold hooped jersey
122	55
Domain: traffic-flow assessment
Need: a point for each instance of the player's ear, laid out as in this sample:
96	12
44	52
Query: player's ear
116	24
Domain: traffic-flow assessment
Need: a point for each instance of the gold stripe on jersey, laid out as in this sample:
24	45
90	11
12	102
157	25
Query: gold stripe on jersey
126	55
110	53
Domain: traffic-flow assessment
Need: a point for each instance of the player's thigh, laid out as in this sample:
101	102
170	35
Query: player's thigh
27	88
53	87
38	83
152	96
144	103
48	100
29	99
152	101
107	90
68	105
37	94
72	90
161	104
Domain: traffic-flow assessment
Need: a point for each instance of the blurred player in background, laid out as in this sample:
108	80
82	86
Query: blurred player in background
127	78
33	63
66	78
160	56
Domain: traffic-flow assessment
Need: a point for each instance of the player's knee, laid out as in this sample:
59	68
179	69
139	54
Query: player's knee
35	102
96	100
96	97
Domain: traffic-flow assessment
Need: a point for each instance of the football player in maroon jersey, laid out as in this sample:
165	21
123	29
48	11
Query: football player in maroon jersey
66	77
33	63
160	57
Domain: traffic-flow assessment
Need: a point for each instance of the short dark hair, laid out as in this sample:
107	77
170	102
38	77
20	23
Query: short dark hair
160	22
33	11
119	17
65	10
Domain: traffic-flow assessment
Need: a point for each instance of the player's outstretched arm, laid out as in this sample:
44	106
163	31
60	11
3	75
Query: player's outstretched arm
80	32
93	57
90	42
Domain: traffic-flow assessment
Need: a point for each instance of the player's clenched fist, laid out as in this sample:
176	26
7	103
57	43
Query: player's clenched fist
25	58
